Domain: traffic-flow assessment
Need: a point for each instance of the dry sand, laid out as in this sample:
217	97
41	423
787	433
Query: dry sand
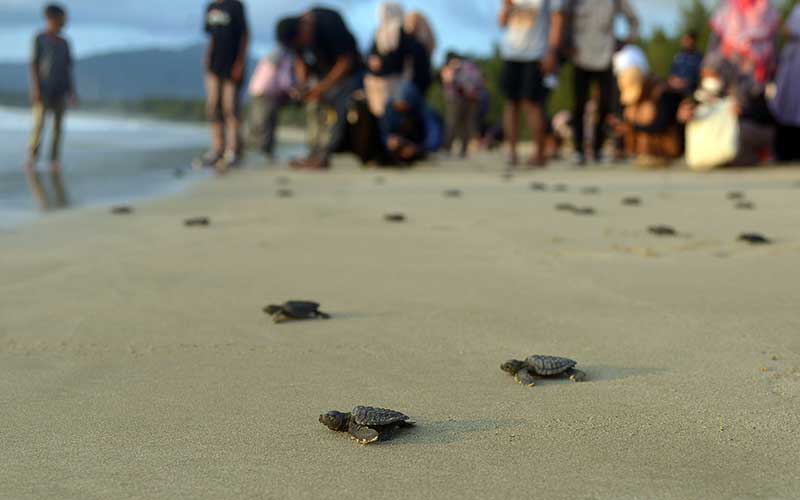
135	361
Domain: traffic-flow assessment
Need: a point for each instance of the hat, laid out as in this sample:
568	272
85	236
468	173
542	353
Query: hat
631	83
631	56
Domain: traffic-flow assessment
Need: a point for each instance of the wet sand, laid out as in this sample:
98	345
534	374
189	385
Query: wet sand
135	361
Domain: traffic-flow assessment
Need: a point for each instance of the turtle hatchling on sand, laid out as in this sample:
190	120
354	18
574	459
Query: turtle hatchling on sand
295	310
534	367
365	423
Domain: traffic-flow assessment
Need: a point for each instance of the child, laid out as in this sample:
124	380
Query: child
52	84
685	72
226	26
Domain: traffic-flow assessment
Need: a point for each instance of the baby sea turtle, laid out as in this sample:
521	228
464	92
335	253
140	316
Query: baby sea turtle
197	221
632	201
394	217
538	186
662	230
534	367
285	193
566	207
122	210
590	190
365	423
453	193
745	205
295	310
735	195
754	239
584	211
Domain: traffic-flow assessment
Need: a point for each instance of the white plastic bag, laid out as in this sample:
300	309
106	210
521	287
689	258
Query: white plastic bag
712	137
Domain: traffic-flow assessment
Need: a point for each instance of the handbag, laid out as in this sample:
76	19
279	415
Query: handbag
712	137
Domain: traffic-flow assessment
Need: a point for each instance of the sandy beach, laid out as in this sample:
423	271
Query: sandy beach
135	361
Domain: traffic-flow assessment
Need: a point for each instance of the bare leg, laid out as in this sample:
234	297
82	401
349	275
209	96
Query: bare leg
39	115
230	111
512	130
214	112
55	150
535	115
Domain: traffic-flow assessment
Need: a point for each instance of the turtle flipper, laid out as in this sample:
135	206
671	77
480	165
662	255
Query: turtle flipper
525	377
280	317
575	375
362	433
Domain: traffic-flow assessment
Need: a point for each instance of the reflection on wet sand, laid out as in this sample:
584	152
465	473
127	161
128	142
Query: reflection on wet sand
58	199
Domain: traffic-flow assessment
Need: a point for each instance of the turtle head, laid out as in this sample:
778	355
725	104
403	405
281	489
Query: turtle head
272	309
512	366
335	421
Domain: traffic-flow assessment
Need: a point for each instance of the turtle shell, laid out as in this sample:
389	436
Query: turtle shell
369	416
550	365
300	308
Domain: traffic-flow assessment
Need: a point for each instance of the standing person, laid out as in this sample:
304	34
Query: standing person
685	72
226	58
326	51
591	44
417	26
52	84
530	53
269	89
388	59
786	103
463	86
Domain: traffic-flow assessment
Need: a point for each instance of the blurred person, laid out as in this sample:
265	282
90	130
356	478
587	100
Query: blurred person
591	46
744	126
684	74
328	69
785	101
270	90
411	130
650	125
463	86
417	26
744	32
530	53
52	85
225	61
394	57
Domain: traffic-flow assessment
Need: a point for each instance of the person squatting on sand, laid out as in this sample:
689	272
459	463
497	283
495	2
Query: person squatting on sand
52	85
328	69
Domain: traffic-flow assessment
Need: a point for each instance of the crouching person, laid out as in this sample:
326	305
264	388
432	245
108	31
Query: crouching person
410	129
328	70
653	135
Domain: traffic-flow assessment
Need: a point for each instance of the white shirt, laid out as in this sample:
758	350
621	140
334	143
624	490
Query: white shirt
528	31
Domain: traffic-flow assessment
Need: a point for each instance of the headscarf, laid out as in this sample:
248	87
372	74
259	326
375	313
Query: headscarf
747	31
417	25
387	38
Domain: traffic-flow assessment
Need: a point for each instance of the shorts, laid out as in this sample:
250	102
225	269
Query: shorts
523	81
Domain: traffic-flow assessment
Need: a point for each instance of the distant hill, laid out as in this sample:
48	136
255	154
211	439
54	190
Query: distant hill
127	76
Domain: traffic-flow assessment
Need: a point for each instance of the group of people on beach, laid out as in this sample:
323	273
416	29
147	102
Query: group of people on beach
737	104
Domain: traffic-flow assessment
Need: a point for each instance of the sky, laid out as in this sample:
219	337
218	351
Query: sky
98	26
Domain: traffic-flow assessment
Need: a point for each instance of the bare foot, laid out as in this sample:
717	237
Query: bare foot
55	166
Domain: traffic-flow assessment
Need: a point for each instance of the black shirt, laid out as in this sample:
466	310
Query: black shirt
53	62
332	40
227	24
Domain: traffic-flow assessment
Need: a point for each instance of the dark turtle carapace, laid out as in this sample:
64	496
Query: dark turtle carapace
295	310
745	205
591	190
535	367
285	193
394	217
584	211
453	193
754	239
662	230
565	207
538	186
366	424
197	221
632	201
122	210
735	195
